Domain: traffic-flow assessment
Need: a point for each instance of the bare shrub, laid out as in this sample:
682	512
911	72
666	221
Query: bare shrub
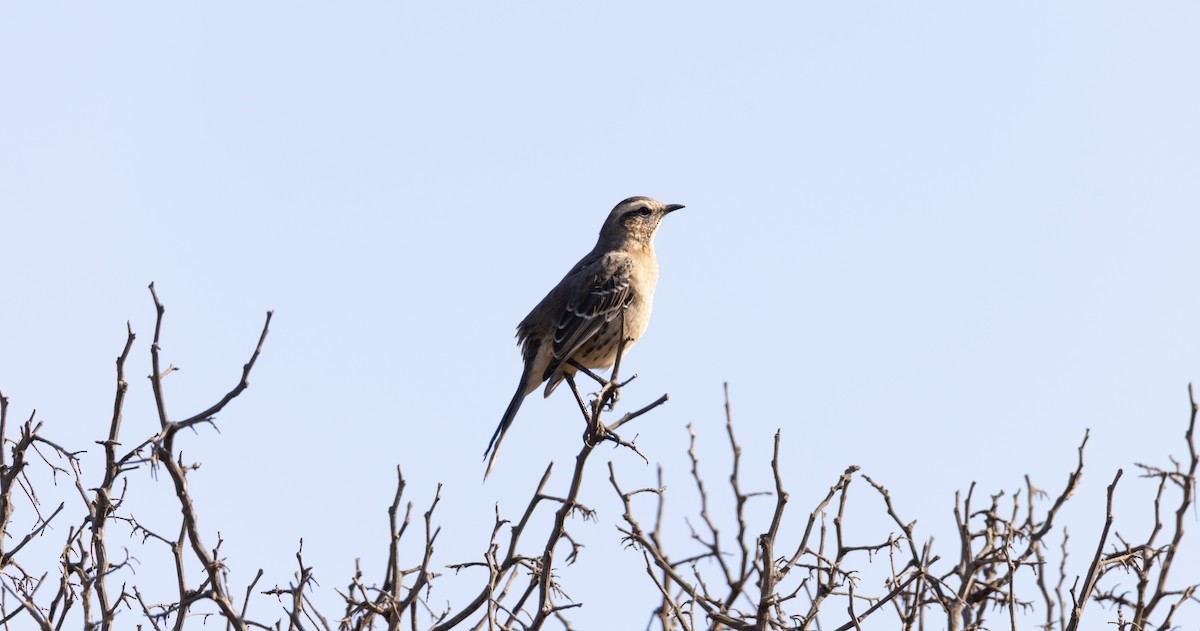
744	581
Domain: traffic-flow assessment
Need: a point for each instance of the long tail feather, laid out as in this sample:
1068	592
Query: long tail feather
509	414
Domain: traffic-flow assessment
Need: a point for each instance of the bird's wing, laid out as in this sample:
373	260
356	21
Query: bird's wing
599	293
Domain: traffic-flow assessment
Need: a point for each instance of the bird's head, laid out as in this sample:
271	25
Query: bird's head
635	219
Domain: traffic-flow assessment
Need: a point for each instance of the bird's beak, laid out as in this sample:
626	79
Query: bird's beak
672	208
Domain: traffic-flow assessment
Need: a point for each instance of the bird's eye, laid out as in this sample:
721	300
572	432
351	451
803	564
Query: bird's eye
632	214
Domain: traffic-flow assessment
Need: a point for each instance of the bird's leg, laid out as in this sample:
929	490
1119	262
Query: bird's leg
578	397
587	371
611	392
601	380
608	395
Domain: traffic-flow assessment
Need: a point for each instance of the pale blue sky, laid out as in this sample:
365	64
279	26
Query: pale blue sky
919	237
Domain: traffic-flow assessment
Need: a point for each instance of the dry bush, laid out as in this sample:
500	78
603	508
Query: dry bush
744	581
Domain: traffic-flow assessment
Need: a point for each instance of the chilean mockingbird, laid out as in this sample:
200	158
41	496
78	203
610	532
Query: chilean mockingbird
580	322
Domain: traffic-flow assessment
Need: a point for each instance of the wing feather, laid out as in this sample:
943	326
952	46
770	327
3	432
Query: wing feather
602	292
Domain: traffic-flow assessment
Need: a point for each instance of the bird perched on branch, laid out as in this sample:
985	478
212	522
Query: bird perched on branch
580	322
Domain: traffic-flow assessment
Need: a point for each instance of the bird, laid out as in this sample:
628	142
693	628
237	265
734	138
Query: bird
580	321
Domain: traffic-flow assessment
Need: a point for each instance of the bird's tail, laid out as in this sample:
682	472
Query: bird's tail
509	414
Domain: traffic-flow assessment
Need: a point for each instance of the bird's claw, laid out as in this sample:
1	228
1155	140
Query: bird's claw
614	396
596	434
611	392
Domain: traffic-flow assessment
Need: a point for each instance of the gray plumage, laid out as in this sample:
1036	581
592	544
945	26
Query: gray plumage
581	318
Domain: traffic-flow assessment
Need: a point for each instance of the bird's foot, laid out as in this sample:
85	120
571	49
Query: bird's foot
610	394
596	433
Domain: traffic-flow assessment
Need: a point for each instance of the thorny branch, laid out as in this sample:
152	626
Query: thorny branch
994	546
86	566
724	576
